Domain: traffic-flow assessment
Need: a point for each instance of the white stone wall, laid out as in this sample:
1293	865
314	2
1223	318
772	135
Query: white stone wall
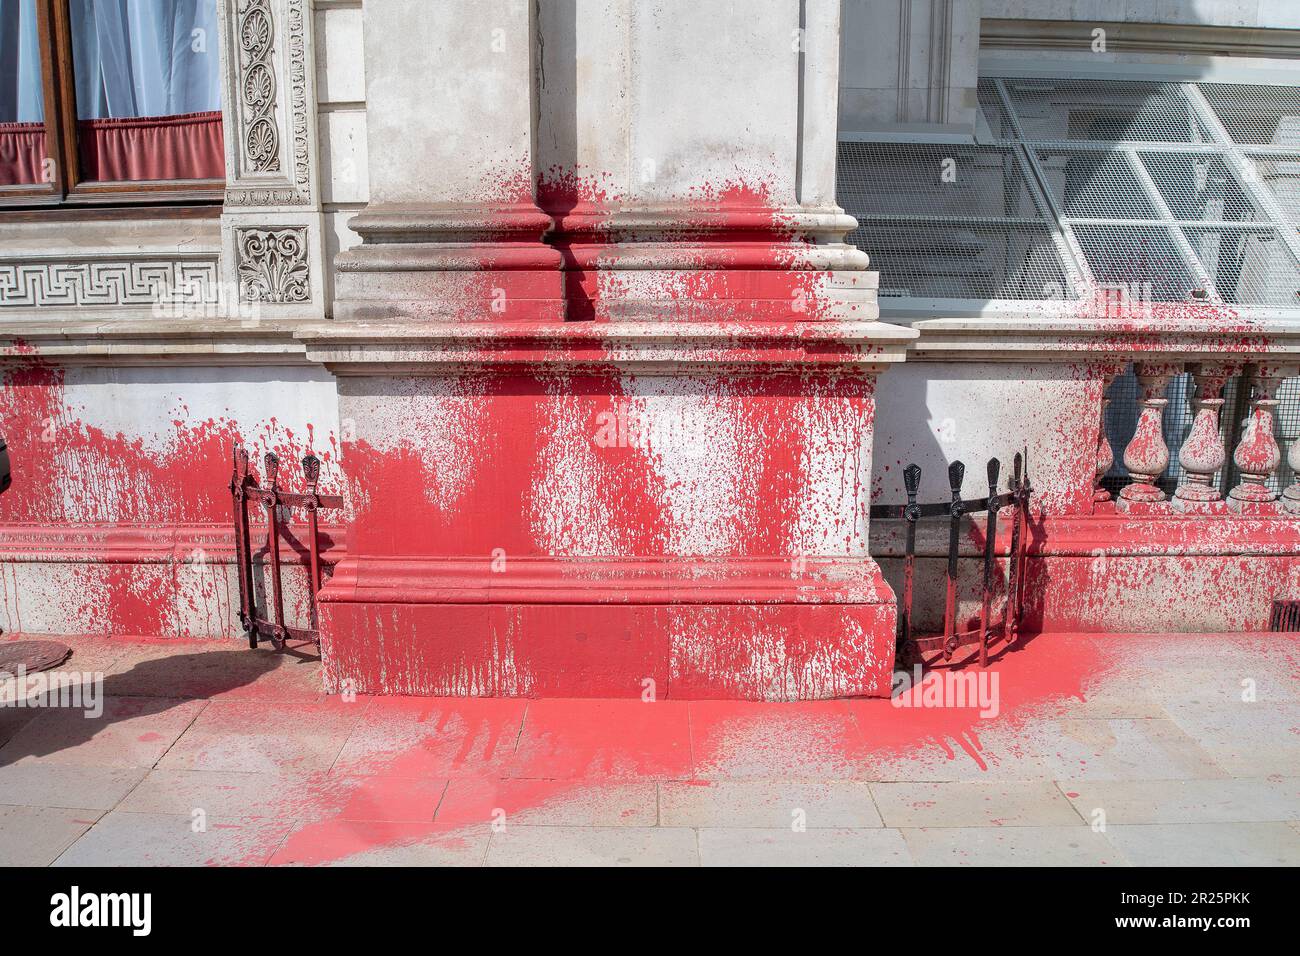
341	101
908	62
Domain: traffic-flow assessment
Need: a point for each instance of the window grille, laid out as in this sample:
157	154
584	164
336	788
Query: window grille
1190	190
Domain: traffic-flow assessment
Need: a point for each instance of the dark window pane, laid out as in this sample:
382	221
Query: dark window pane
22	97
148	89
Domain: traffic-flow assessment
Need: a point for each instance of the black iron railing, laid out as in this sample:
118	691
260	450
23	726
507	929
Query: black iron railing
989	632
244	488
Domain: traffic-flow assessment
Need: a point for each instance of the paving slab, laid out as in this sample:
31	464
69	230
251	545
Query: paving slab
215	670
1158	737
766	804
1186	801
340	842
1011	846
237	796
35	836
12	720
811	740
439	737
603	740
43	784
1207	844
170	839
131	732
974	803
729	846
89	654
470	800
1201	671
519	845
1245	739
264	736
1056	748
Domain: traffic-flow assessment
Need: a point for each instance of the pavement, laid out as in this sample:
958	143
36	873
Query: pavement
1070	750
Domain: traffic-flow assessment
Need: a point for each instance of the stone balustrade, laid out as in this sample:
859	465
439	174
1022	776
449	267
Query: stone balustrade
1254	456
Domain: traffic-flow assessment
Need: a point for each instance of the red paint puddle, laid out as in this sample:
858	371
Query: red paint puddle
566	747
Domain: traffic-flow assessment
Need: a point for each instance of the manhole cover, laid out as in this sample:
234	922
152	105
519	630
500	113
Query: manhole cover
31	656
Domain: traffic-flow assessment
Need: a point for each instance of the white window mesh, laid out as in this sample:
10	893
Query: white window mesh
1187	191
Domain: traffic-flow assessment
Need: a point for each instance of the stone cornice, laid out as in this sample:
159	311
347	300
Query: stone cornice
138	337
358	348
142	339
1042	339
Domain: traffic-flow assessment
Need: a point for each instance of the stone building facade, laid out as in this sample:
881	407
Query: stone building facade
610	320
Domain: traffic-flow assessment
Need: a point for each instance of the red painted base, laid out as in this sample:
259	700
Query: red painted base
791	637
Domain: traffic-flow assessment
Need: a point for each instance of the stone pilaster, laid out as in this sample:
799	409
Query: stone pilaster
271	223
620	291
452	231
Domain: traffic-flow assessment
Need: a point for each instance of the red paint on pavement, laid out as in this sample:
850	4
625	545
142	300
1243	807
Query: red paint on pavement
570	753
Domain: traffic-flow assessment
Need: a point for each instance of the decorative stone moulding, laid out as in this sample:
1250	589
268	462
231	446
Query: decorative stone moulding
1291	496
147	270
272	265
108	282
273	247
712	261
456	262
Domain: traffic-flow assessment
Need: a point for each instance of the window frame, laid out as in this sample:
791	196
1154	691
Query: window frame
67	188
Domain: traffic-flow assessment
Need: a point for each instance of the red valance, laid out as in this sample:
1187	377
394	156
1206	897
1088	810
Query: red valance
187	146
22	148
134	149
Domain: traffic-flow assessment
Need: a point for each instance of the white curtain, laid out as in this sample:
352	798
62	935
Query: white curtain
22	97
145	57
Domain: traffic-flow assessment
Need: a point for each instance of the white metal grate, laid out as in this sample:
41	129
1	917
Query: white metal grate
1280	175
1062	110
1249	266
1078	184
963	260
973	182
1199	186
1144	258
1095	184
1260	115
994	113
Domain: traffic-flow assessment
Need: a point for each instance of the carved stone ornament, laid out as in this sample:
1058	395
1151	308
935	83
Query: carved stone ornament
258	87
272	265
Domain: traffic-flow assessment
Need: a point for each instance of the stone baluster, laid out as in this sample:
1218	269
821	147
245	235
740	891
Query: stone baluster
1258	455
1147	456
1105	456
1291	497
1203	453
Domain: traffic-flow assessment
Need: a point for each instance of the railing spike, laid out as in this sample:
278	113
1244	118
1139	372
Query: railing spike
912	479
956	475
